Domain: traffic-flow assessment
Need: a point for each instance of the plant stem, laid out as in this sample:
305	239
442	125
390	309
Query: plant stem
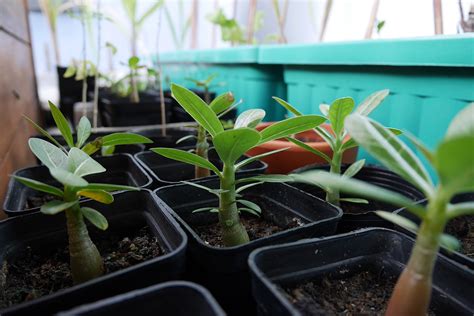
333	196
202	146
233	232
134	97
85	260
411	295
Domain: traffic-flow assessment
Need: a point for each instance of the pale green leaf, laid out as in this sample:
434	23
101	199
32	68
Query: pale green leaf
354	168
460	209
70	71
372	102
50	155
107	150
222	102
55	206
216	192
398	220
249	210
39	186
111	187
185	138
97	195
338	112
290	126
275	178
124	139
247	186
186	157
249	118
149	12
354	200
43	132
232	144
204	209
449	242
250	205
288	106
82	164
310	149
324	108
68	178
463	123
83	131
257	157
62	124
421	147
95	217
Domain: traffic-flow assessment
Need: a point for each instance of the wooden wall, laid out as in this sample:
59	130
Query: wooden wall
17	90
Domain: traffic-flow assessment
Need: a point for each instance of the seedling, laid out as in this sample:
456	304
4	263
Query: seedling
105	143
230	145
338	139
70	169
452	161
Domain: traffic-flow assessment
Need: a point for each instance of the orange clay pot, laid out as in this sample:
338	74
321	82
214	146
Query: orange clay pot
296	157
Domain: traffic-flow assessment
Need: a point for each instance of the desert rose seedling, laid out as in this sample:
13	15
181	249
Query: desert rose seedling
337	140
69	169
230	145
453	163
105	143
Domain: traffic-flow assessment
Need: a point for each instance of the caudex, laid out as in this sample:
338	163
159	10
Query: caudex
337	138
451	161
230	145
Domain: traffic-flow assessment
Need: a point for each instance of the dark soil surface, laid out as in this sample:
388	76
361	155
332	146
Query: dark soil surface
257	227
365	293
38	200
463	229
33	274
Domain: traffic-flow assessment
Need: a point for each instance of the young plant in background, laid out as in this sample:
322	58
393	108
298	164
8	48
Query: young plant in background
69	169
105	143
336	113
182	27
230	145
452	161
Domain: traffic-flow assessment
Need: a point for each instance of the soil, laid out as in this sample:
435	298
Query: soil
257	227
463	229
365	293
38	200
33	273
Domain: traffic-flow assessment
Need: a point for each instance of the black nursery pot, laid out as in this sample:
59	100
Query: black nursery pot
165	171
130	211
224	271
362	215
459	227
380	251
120	169
116	111
168	140
176	298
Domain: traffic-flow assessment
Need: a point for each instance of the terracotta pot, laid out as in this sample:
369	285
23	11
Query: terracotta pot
296	157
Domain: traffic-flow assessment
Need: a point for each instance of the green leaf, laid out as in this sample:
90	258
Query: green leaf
112	47
222	102
454	163
130	8
216	192
421	147
97	195
309	148
133	62
288	106
184	138
275	178
68	178
249	118
257	157
50	155
328	137
39	186
398	220
290	126
83	131
247	186
124	139
232	144
354	200
107	150
463	123
348	145
338	112
82	164
62	124
449	242
204	209
460	209
354	168
198	109
55	206
70	71
149	12
96	218
250	205
372	102
110	187
43	132
249	210
389	150
324	108
186	157
358	188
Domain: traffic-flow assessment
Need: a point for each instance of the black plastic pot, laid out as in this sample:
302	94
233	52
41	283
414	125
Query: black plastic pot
377	250
172	136
364	215
457	256
117	111
224	271
131	210
176	298
70	92
121	169
165	171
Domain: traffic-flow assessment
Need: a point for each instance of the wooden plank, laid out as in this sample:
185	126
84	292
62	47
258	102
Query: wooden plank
14	19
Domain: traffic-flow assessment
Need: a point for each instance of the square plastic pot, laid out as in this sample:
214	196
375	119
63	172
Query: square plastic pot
224	271
130	210
176	298
374	249
165	171
120	169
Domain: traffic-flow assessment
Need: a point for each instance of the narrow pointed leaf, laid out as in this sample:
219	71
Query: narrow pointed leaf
354	200
50	155
186	157
276	178
185	138
463	123
249	118
398	220
39	186
107	150
232	144
110	187
198	109
354	168
257	157
338	112
460	209
250	205
290	126
288	106
82	164
222	102
449	242
68	178
310	149
43	132
202	187
247	186
62	124
421	147
372	102
83	131
55	206
97	195
249	210
124	139
349	144
203	209
95	217
324	108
